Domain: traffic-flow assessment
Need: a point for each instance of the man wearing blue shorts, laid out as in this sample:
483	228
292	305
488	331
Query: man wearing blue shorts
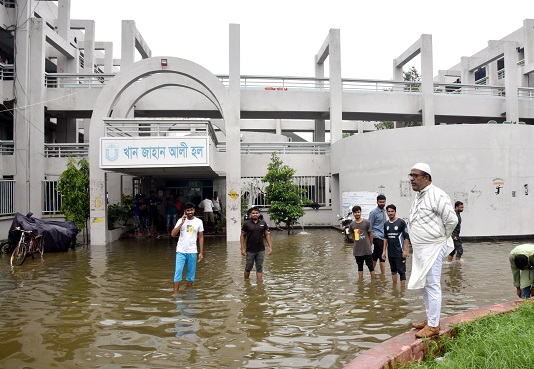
254	231
190	228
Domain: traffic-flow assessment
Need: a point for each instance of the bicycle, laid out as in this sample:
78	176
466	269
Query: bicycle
25	247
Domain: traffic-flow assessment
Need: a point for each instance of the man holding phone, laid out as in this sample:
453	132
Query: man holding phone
190	228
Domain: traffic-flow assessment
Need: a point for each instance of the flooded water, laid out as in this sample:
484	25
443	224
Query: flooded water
112	307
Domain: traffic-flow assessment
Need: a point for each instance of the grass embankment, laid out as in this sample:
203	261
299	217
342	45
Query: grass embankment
504	341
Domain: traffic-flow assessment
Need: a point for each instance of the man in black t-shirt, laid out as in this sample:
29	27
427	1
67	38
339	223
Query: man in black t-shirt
396	241
458	248
254	230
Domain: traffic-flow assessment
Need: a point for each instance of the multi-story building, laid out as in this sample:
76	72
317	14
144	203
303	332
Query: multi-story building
168	124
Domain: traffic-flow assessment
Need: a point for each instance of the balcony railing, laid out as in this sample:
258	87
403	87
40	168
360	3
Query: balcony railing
75	80
159	127
63	150
51	198
7	197
8	3
7	147
7	71
315	148
526	93
465	89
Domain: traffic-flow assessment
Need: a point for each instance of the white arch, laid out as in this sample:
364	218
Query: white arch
109	98
137	91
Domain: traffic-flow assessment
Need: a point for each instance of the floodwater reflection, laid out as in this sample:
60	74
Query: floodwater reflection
112	307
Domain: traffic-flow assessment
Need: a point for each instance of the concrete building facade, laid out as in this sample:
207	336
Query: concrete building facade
184	129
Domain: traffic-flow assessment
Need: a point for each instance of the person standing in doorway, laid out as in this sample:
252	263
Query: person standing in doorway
430	225
252	234
207	206
377	217
153	213
458	248
190	229
362	235
217	208
396	242
171	212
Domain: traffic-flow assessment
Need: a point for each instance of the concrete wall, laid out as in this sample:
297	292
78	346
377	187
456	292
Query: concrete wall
485	166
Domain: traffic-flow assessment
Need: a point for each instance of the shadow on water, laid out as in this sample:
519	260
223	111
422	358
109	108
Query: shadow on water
112	307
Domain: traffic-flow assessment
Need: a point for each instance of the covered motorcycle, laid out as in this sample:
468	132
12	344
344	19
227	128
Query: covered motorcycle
57	236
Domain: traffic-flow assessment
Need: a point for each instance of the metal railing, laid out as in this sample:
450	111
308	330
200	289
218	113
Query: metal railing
159	127
526	93
7	147
63	150
7	71
7	197
465	89
75	80
51	198
371	85
8	3
316	148
317	189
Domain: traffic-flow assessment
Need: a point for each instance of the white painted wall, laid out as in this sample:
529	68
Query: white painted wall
465	161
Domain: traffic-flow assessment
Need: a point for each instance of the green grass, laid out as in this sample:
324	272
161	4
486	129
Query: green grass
504	341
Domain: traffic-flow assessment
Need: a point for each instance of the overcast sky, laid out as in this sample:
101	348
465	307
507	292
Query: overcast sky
281	37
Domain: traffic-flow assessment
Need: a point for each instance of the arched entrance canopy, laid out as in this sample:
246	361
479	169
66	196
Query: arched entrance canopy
179	72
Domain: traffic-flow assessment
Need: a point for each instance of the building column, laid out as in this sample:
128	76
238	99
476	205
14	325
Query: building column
127	43
336	86
511	80
233	140
427	80
319	132
89	48
29	137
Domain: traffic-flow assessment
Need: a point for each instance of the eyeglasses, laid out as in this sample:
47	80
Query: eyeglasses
415	175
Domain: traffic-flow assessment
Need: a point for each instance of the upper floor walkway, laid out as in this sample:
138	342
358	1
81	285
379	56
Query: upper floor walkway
279	97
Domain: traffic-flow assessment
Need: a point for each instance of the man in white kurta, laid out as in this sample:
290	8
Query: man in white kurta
431	222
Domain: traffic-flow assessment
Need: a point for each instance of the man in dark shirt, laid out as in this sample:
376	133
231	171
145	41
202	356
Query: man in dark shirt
396	245
458	248
254	230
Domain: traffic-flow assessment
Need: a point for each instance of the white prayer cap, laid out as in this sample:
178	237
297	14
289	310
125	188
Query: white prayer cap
423	167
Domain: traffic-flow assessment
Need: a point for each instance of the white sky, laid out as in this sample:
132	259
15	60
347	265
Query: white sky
281	37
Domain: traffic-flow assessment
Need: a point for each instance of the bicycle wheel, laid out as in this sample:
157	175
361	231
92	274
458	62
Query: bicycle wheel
19	254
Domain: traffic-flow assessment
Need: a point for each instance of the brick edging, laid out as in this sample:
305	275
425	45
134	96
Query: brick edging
403	348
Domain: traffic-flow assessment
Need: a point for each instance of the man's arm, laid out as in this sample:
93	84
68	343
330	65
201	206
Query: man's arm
177	228
201	245
385	247
242	242
447	214
268	238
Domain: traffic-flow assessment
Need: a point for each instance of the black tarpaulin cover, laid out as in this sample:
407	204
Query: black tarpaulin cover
57	236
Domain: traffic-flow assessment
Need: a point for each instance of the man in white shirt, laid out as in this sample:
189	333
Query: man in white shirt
190	228
431	222
209	218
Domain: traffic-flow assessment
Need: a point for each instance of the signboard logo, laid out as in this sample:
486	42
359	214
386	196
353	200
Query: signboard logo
112	152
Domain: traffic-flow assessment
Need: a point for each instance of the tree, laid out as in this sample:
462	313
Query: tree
73	185
285	197
412	75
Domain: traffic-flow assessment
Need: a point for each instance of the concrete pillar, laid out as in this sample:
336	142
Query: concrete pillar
336	86
89	47
233	140
398	75
63	21
528	29
511	80
278	126
128	43
66	131
493	77
319	133
427	80
468	77
29	137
